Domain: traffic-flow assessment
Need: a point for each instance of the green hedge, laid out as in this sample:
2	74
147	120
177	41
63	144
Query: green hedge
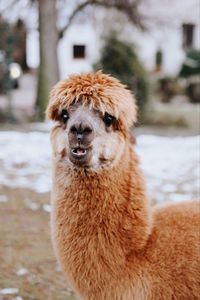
119	59
191	65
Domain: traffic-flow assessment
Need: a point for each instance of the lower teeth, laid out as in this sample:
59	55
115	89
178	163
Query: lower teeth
79	151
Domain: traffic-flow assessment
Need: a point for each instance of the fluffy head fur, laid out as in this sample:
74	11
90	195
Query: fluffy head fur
110	245
87	98
101	92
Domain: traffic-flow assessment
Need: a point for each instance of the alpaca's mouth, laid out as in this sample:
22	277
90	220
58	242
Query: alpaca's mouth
78	152
80	156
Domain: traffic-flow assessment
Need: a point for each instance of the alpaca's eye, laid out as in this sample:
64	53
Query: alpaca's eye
108	119
64	115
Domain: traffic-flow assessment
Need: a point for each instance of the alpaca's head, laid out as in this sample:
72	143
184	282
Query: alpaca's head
93	114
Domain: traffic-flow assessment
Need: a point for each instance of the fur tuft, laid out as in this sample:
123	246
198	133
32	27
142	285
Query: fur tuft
101	92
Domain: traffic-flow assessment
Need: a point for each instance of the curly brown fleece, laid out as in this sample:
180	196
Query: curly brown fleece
110	243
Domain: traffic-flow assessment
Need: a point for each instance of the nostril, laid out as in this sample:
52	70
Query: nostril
73	129
87	130
80	129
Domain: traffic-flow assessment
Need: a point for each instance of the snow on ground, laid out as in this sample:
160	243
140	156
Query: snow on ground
9	291
170	164
25	160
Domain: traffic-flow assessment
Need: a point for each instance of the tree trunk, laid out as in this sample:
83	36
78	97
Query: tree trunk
48	69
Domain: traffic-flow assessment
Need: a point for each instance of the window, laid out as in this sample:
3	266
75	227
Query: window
79	51
188	35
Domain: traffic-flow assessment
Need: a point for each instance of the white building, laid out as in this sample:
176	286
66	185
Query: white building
176	27
78	50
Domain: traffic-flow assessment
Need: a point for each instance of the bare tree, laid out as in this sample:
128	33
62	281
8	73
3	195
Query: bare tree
128	7
48	73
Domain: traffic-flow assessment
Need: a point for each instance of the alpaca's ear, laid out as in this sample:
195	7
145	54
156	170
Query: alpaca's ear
52	111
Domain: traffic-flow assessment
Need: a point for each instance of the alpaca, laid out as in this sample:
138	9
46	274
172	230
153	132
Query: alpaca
110	244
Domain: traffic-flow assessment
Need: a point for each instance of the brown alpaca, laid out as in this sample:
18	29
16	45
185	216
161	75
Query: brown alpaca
110	244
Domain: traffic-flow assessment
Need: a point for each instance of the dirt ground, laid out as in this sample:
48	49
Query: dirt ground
25	243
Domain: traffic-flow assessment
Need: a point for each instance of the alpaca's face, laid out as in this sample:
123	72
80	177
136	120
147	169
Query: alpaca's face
85	138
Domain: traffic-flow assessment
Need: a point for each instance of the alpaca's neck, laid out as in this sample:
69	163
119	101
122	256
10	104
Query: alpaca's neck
100	222
112	201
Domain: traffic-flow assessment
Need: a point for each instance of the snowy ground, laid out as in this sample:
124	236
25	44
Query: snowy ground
170	164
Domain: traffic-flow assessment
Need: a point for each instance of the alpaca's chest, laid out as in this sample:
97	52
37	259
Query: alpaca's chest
94	270
88	250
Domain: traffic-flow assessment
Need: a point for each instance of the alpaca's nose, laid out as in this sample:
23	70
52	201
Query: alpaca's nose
81	132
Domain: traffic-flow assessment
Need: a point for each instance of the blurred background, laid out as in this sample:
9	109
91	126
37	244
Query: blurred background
152	46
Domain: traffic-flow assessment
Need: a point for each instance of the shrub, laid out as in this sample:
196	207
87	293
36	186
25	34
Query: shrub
168	87
119	59
193	91
159	59
191	65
